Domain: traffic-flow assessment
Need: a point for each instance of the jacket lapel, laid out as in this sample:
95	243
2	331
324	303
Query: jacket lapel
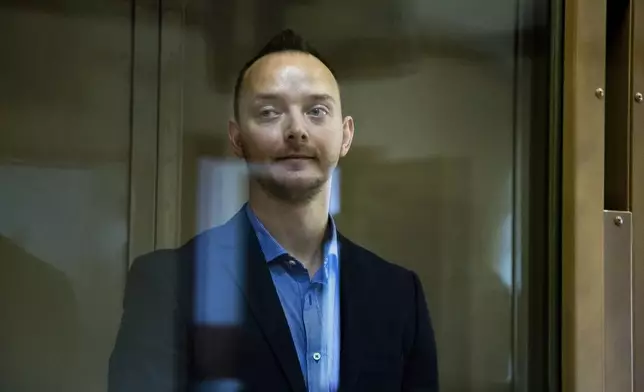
260	293
351	309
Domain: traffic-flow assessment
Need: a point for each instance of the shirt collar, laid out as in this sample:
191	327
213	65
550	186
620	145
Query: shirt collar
272	249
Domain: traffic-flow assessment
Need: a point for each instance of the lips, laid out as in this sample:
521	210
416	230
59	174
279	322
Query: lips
294	157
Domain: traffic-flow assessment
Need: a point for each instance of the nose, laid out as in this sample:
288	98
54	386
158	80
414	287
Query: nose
296	128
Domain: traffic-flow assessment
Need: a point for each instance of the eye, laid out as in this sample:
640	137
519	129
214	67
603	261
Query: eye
268	113
318	111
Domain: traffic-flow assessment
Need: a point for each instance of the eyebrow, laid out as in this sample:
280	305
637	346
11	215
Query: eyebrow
273	97
322	97
266	97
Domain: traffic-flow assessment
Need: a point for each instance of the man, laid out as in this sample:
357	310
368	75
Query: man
276	299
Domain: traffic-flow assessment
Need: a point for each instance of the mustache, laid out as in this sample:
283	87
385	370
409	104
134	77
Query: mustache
293	154
263	168
256	167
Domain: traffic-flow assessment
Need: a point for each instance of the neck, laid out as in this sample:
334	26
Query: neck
299	228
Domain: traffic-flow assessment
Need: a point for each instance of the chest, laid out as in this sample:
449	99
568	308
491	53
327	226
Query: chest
370	334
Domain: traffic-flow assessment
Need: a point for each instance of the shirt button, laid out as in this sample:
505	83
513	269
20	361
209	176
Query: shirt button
291	262
316	356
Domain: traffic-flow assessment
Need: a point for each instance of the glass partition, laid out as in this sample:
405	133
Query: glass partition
446	98
113	142
64	175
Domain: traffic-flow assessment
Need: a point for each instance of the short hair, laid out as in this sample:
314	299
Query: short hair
286	41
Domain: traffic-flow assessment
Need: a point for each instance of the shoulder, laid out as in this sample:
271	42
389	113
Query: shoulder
155	265
214	241
374	269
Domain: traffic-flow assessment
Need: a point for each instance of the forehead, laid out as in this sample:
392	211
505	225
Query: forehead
289	74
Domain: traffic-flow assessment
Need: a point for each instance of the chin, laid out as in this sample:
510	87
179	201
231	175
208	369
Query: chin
294	189
301	184
298	177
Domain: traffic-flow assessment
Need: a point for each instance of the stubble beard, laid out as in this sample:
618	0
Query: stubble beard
298	193
292	194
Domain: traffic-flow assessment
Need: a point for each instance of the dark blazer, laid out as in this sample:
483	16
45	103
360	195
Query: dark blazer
209	311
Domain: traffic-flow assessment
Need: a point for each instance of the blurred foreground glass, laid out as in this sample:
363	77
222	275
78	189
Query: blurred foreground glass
64	167
438	92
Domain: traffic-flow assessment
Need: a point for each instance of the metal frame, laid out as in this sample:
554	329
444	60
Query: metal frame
637	192
618	105
583	197
537	273
618	243
555	168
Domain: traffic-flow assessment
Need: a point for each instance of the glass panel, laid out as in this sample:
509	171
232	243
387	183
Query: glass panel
430	180
64	170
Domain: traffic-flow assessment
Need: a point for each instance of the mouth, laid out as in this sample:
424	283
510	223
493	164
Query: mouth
295	158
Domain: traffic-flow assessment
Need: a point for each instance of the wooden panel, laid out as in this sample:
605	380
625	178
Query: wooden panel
583	197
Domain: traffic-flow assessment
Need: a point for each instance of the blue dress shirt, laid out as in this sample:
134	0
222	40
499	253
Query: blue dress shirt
311	306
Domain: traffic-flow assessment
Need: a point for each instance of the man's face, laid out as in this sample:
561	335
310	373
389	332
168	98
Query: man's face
290	128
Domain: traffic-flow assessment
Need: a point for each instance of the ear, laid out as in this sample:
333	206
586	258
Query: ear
234	137
347	135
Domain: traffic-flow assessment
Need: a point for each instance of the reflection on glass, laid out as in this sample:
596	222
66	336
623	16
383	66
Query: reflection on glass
64	143
428	181
276	298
